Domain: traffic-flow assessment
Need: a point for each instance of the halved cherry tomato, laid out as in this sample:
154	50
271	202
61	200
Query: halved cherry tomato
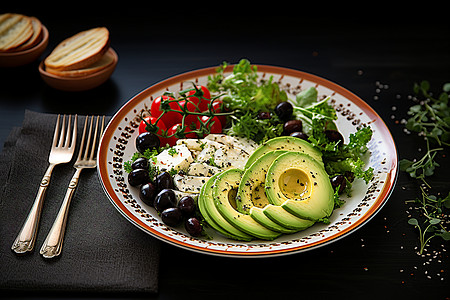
200	97
170	117
152	120
213	124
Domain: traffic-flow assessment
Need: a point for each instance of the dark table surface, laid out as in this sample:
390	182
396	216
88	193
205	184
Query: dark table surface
377	54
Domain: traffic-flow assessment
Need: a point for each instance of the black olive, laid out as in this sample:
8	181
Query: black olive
138	177
300	135
165	199
140	163
193	226
187	206
334	136
292	126
284	110
164	181
147	193
171	216
263	115
340	182
147	140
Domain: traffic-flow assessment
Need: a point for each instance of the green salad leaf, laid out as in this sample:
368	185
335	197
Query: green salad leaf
339	158
247	96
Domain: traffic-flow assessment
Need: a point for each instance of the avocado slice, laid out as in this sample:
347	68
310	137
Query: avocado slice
251	198
224	193
251	191
282	217
284	143
299	184
213	217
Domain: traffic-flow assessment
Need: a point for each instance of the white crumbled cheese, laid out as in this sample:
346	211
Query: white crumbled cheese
179	195
189	184
208	151
202	169
247	145
177	157
202	158
192	144
227	157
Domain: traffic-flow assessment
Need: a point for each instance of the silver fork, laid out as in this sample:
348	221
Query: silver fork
63	147
86	159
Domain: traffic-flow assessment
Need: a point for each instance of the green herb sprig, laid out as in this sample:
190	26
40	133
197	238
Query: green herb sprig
433	211
429	118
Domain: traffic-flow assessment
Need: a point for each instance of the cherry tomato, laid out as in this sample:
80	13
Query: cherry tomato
152	120
213	125
217	107
170	117
190	120
201	101
172	140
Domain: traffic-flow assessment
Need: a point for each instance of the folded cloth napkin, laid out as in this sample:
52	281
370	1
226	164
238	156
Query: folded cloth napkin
102	252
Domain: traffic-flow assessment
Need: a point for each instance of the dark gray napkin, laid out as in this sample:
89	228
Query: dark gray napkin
102	251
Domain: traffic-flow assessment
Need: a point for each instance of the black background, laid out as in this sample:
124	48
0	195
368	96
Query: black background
376	52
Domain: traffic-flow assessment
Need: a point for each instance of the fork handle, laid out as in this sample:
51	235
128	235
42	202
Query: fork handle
53	243
26	237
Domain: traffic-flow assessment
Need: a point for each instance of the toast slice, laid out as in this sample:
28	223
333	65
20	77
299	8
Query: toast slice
35	38
79	51
106	60
15	29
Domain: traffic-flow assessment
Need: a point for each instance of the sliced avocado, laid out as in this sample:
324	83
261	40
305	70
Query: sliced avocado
251	198
284	143
282	217
225	189
300	184
259	216
213	217
251	188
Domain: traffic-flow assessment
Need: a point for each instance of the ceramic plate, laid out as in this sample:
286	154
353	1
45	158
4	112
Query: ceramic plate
117	146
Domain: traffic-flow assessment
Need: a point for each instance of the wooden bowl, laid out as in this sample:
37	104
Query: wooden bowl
20	58
81	83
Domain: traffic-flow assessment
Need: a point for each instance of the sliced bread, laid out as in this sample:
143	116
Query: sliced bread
15	29
35	37
81	50
106	60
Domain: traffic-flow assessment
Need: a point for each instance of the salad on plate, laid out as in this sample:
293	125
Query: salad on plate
242	158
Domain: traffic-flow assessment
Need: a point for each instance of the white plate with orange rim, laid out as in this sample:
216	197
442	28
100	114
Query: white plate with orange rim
118	145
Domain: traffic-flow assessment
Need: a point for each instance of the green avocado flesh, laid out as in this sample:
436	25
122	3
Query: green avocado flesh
224	193
256	203
300	185
283	189
284	143
212	215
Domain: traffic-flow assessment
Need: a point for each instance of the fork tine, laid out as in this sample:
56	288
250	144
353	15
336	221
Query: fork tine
56	134
83	138
88	141
94	142
74	132
63	132
66	142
